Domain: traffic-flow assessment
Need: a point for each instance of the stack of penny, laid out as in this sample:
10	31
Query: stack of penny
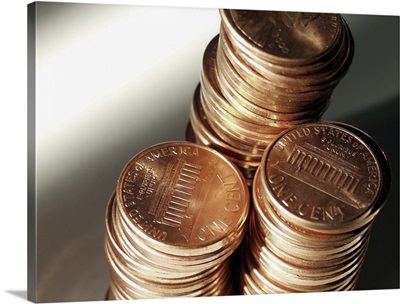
316	194
264	73
178	213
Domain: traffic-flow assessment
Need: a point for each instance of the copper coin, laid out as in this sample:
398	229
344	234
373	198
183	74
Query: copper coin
207	136
212	89
335	68
281	102
182	197
321	176
275	85
236	132
291	233
285	37
263	114
240	73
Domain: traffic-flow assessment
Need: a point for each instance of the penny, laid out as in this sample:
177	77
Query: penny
178	213
280	84
297	70
182	196
207	136
169	262
315	79
261	279
309	264
309	244
216	100
275	227
175	289
144	267
232	66
322	274
289	37
234	131
295	252
264	115
321	176
294	233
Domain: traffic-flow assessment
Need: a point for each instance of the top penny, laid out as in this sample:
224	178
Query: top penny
322	177
287	38
183	198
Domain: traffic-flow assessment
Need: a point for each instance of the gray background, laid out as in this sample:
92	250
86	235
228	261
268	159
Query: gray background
111	80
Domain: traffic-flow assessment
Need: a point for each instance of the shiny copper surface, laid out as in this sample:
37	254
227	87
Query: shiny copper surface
178	213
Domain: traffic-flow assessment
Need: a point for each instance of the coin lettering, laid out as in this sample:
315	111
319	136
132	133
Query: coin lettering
278	42
373	174
147	185
320	213
147	227
282	190
291	137
338	134
212	229
172	150
338	148
334	25
233	193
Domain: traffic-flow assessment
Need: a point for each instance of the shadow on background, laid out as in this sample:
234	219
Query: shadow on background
18	293
381	266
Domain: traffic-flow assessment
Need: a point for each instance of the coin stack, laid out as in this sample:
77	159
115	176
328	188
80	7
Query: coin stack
264	73
178	213
316	194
